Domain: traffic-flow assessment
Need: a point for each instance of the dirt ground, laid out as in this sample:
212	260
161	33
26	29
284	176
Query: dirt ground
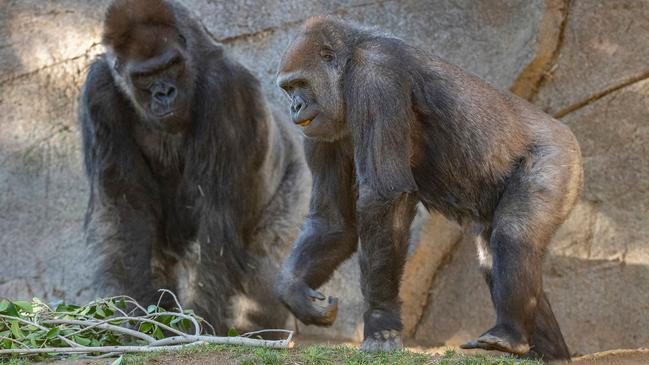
616	357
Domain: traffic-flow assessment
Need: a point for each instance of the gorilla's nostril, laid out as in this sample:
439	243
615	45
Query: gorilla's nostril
165	95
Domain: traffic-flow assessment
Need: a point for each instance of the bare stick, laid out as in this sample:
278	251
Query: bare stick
178	342
167	291
248	334
100	349
105	326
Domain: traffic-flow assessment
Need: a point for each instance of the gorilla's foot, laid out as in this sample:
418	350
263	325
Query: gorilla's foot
302	301
382	341
501	339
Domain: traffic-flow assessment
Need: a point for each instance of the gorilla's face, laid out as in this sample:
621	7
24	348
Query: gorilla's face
310	75
161	85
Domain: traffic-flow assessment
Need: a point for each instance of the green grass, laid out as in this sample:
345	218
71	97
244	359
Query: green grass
15	362
316	355
452	358
329	355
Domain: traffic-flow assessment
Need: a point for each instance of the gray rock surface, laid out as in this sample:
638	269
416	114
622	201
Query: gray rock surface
44	50
585	62
605	46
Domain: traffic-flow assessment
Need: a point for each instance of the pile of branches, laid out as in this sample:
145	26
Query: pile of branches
110	327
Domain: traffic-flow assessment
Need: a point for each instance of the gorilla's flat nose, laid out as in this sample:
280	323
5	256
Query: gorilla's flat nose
164	94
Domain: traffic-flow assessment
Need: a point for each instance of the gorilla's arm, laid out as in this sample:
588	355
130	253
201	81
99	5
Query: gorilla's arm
121	222
329	235
225	177
380	118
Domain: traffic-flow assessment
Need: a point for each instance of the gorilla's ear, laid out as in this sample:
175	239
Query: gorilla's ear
380	117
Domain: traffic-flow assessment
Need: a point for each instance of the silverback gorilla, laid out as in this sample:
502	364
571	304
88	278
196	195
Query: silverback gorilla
194	186
389	125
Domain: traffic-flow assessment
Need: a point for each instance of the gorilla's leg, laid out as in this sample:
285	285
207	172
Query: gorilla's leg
212	280
516	287
384	234
271	241
121	238
547	341
514	281
511	255
484	254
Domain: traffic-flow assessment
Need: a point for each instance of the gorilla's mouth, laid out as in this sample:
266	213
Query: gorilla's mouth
306	118
166	114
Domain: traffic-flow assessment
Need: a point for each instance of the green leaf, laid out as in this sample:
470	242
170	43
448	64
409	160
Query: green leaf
146	327
67	308
24	305
82	340
232	332
32	340
117	361
15	329
40	335
111	308
122	303
4	305
151	308
53	332
12	311
157	334
5	344
100	312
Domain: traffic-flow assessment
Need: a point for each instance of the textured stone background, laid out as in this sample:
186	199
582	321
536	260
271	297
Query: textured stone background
584	61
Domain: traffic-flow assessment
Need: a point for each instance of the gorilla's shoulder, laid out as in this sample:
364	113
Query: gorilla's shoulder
99	87
98	73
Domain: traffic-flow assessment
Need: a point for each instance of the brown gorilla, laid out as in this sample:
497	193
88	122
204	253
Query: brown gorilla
194	186
389	125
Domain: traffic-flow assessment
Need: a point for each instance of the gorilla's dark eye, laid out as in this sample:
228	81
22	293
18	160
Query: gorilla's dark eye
327	54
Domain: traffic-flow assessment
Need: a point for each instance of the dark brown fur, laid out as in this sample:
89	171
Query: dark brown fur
204	200
139	29
407	127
